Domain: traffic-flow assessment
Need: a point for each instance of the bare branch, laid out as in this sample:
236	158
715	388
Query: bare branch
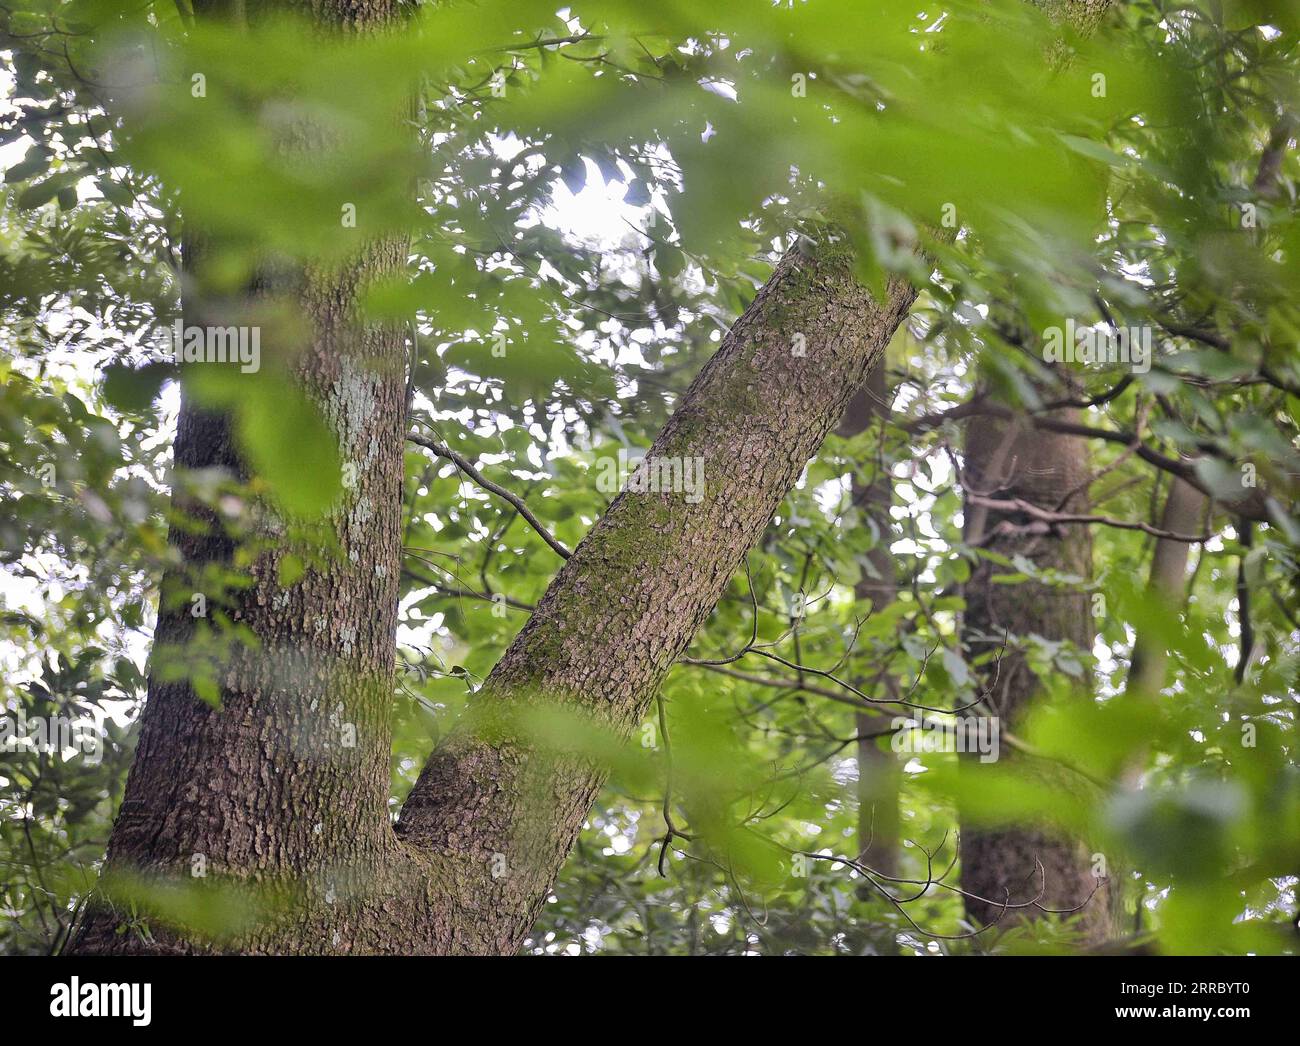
463	463
1028	508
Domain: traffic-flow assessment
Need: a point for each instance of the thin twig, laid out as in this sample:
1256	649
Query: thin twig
463	463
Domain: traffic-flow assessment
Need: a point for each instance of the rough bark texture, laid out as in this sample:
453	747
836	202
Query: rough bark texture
285	786
1004	456
1007	460
634	593
290	776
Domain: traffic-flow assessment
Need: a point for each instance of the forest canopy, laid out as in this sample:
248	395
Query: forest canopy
819	477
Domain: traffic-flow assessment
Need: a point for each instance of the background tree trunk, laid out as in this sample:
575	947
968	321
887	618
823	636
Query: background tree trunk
1183	513
1006	460
879	776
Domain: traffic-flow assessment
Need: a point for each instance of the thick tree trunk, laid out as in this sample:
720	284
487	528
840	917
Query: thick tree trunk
289	777
1006	460
284	788
287	782
1009	459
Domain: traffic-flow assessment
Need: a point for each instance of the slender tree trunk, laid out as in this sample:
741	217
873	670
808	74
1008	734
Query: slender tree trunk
879	777
1014	460
1183	512
878	767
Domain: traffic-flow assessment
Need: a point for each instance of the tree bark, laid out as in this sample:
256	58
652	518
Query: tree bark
283	788
1013	459
628	601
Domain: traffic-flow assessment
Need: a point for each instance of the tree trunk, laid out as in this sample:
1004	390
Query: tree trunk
1184	508
284	788
635	591
1013	460
879	776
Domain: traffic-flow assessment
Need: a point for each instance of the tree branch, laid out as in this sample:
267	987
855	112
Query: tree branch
463	463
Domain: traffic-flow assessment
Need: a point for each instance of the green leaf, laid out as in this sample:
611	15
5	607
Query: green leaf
291	447
1095	150
638	193
39	194
574	174
133	389
27	168
669	261
290	570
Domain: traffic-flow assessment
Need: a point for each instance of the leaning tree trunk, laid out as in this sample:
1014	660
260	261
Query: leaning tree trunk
1005	461
495	811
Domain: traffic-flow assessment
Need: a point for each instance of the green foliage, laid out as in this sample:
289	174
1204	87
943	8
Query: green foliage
704	139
